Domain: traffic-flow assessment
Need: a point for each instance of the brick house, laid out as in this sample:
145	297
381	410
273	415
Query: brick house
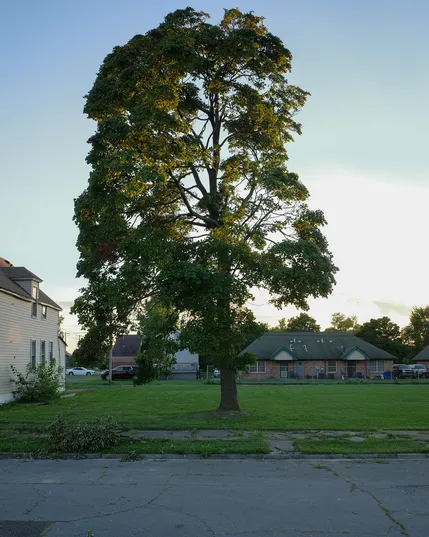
334	355
422	357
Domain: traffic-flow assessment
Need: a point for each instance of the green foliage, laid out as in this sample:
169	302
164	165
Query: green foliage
416	333
189	200
160	342
38	384
83	437
93	349
342	323
386	335
301	323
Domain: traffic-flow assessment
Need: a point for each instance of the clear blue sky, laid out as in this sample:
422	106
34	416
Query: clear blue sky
363	152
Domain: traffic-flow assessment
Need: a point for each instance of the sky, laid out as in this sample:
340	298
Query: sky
363	152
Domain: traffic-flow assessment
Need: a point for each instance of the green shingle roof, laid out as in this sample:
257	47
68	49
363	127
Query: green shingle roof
314	346
422	355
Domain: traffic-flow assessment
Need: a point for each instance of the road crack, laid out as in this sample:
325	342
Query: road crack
206	524
354	486
42	499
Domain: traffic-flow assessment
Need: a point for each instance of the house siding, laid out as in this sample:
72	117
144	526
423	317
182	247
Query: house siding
17	329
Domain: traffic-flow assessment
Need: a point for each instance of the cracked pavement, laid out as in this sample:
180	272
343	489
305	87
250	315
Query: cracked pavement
214	498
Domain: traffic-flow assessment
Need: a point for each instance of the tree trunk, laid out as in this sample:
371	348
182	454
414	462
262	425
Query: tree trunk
228	391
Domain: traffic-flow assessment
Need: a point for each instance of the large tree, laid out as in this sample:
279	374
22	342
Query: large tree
342	323
189	200
301	323
386	335
416	333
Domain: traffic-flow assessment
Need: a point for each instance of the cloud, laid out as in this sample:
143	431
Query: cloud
66	305
387	308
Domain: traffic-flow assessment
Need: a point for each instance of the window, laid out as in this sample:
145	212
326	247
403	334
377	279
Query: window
332	366
44	312
33	353
376	366
42	352
34	304
51	350
259	367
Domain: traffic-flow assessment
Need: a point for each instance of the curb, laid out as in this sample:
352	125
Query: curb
219	456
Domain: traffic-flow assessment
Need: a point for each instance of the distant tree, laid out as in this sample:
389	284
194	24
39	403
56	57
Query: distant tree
281	326
416	333
189	197
386	335
93	349
301	323
61	332
342	323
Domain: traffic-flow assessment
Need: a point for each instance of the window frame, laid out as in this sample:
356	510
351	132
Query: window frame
45	310
376	368
330	362
51	351
34	294
257	367
33	357
42	351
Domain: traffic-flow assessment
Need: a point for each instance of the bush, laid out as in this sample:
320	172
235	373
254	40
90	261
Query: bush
83	437
39	384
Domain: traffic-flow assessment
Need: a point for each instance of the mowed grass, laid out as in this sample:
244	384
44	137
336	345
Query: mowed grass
168	405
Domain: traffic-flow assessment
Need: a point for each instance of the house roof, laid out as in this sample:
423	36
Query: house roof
8	276
314	346
422	355
20	273
127	345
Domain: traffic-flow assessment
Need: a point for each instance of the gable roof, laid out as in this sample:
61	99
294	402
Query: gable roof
127	345
314	346
8	275
422	355
20	273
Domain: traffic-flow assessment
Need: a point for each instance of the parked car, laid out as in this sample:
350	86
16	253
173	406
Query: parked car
216	374
122	372
79	371
421	371
402	371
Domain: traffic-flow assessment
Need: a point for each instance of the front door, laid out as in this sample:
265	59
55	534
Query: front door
283	370
300	370
351	370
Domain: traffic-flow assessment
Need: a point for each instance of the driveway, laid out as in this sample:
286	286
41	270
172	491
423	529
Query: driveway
213	498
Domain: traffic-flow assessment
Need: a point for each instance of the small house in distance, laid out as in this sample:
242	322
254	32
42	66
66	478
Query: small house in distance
334	355
422	357
127	346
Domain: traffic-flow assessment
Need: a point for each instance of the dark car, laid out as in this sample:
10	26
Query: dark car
122	372
421	371
402	371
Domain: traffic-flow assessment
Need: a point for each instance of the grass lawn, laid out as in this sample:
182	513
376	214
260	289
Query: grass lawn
170	405
25	443
369	445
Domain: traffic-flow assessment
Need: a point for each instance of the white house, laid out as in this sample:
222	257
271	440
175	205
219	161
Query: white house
29	323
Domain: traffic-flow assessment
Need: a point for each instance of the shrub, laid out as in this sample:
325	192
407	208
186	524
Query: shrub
39	384
83	437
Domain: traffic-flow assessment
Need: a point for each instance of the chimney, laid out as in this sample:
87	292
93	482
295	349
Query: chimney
5	263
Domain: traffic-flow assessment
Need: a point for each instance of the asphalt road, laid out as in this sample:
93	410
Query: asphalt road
213	498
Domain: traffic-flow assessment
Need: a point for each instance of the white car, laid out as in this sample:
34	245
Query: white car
80	371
